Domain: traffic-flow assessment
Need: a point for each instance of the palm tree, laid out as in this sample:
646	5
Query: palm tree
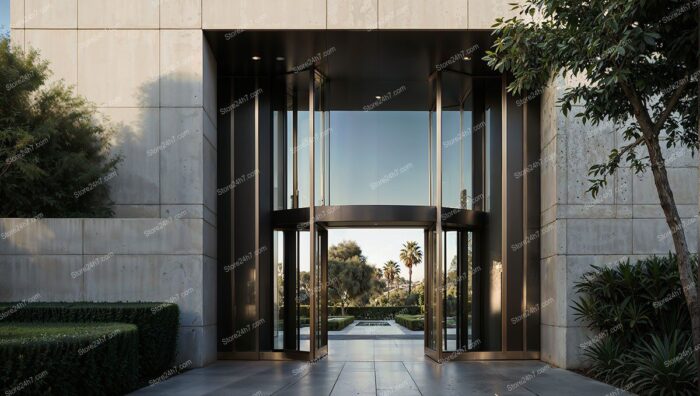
391	270
410	255
378	273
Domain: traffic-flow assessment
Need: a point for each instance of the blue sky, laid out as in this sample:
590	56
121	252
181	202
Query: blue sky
4	16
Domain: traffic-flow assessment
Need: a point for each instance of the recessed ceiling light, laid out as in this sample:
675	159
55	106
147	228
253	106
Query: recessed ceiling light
280	58
467	58
377	97
256	58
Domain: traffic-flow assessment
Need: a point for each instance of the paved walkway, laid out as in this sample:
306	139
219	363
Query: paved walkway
378	367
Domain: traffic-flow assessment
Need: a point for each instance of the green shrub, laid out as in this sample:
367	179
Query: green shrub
157	323
411	322
369	313
339	322
54	150
640	324
68	358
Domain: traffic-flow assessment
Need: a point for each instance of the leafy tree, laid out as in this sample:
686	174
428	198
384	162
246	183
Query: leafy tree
350	278
391	271
638	59
410	255
54	156
378	273
346	251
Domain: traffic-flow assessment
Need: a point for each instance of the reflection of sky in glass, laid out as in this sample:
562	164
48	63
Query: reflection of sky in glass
456	144
379	158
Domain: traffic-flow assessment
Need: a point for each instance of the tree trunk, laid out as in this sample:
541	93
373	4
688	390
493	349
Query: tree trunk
695	313
668	204
410	272
696	308
691	289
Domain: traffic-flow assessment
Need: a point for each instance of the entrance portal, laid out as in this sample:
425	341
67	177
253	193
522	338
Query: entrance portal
328	130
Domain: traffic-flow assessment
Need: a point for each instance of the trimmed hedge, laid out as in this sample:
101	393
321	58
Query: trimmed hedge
411	322
157	324
68	358
339	322
372	313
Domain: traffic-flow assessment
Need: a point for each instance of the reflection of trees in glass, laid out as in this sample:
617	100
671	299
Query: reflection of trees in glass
280	282
304	287
410	255
452	283
470	274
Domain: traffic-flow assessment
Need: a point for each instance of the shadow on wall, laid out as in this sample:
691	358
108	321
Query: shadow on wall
154	249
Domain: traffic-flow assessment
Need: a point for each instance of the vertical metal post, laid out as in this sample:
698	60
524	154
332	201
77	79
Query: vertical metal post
504	214
257	217
438	203
312	222
323	143
295	149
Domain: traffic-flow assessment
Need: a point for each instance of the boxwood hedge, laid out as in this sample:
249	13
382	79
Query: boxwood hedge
371	313
68	358
411	322
157	324
339	322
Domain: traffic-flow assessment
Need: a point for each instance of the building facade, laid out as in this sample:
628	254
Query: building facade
225	110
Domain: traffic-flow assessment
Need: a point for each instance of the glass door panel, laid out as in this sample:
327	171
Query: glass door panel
450	291
322	138
278	291
433	297
458	315
457	140
291	293
320	294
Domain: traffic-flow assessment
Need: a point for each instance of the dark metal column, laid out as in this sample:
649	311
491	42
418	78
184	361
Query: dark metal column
514	237
224	290
532	219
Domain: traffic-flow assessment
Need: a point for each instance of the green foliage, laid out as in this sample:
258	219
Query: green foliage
664	365
626	53
350	279
391	271
350	282
157	325
54	155
394	297
68	359
411	322
640	323
346	251
410	255
370	313
339	322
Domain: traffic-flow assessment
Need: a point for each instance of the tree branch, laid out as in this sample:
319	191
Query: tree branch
630	146
671	104
640	111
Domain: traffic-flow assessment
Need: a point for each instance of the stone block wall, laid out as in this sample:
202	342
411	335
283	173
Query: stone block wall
150	72
623	221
